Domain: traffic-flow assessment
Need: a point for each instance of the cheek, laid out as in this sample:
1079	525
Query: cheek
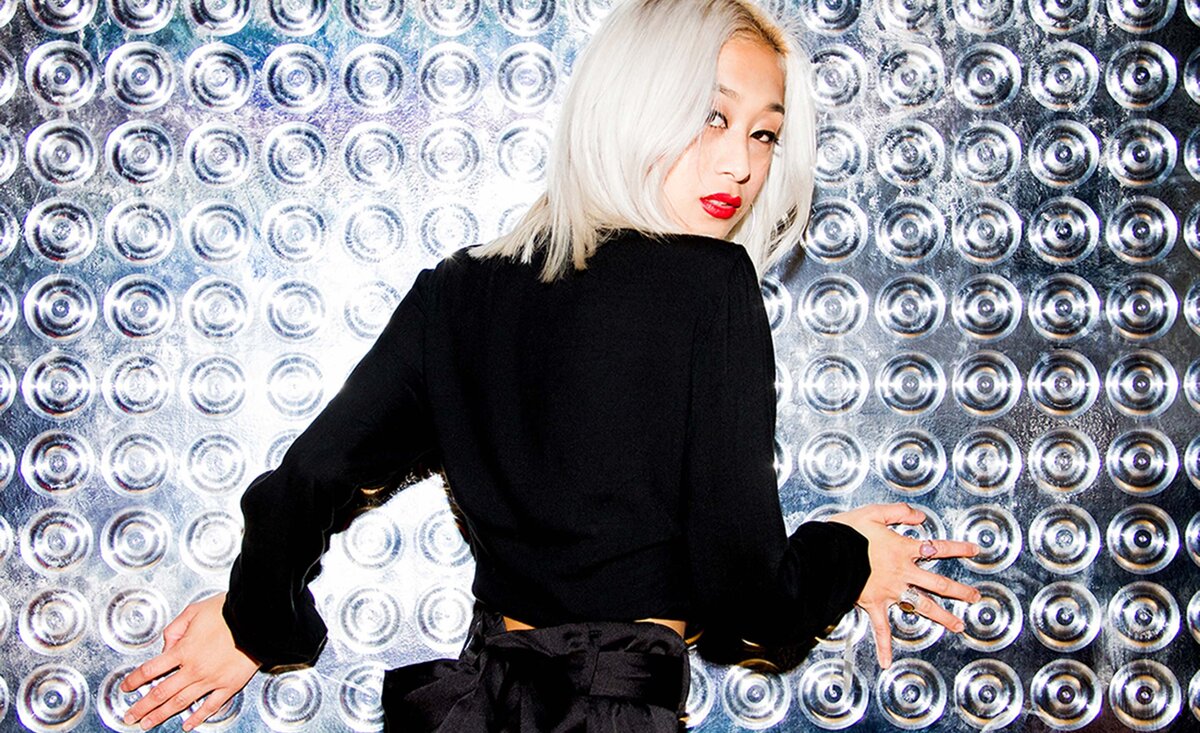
759	178
763	163
675	186
681	174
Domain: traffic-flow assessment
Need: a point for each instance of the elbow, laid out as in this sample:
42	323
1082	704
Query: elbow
258	498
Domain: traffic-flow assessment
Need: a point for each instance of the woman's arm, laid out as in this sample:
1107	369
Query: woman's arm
373	432
749	576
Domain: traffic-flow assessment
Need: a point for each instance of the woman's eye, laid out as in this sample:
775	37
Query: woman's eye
768	137
716	119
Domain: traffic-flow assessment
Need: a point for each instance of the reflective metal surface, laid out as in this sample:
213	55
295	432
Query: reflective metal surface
209	208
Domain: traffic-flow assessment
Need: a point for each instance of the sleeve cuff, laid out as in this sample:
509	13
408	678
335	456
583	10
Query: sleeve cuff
843	553
271	634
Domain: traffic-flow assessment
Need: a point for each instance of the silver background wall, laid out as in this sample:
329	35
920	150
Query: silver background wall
209	208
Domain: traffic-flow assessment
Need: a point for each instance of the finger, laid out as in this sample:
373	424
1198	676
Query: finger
158	695
941	585
882	629
898	513
935	612
949	548
210	707
175	703
151	670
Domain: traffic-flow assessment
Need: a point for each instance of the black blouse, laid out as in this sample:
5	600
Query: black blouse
608	437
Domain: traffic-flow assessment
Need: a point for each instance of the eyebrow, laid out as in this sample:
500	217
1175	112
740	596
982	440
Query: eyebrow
773	106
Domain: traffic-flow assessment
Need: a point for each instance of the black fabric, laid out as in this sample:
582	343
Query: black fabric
601	676
609	439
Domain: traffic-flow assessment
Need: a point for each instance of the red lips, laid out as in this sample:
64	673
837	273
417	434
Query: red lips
721	205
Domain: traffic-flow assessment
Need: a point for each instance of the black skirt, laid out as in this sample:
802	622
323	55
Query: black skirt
598	676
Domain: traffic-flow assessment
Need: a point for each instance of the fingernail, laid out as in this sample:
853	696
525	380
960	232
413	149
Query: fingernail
128	719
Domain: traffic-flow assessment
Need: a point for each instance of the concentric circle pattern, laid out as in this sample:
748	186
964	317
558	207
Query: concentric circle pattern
290	701
140	231
64	17
987	462
140	76
137	463
911	383
987	76
55	541
832	694
833	461
219	17
910	231
134	540
136	385
373	18
1064	154
839	74
995	620
140	152
1067	694
995	530
218	154
52	697
755	700
57	463
988	692
1064	230
61	74
217	231
61	153
138	16
1145	695
218	76
912	694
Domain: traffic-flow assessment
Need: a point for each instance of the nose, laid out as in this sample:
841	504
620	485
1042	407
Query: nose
733	158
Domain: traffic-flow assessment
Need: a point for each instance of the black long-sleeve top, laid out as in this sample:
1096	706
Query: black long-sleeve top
609	438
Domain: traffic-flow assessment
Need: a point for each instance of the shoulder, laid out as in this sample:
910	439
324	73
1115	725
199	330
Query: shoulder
688	261
453	266
693	261
697	248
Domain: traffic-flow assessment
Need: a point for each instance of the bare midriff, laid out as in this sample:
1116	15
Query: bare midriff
511	624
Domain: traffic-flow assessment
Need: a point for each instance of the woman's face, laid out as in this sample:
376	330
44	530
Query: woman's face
718	177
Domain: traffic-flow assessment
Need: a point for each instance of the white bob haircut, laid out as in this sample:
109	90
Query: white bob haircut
640	94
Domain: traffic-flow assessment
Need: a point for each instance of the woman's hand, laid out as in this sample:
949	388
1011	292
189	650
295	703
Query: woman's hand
198	648
894	569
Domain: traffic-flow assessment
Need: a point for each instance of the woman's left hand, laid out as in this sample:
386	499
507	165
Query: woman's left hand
894	570
200	660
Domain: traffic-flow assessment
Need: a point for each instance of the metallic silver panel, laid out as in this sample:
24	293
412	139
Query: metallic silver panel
209	208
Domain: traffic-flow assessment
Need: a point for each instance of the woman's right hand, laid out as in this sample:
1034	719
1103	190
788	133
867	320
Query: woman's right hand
893	570
202	659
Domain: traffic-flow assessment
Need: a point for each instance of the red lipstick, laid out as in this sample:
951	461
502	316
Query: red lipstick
721	205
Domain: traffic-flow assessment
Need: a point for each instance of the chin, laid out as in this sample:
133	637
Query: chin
718	230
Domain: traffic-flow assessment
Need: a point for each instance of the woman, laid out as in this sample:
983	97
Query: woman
601	400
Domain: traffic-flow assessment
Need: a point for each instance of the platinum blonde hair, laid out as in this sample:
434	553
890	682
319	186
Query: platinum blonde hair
640	94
